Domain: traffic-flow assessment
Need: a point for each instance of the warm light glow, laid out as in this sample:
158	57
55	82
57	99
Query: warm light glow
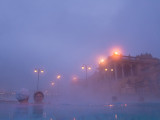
35	70
89	68
112	70
83	67
42	71
52	83
116	53
58	76
110	105
105	69
74	79
125	105
115	116
101	61
116	50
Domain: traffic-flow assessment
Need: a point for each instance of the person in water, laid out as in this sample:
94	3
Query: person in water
22	96
38	97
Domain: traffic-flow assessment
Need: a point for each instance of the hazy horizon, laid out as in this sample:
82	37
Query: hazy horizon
61	36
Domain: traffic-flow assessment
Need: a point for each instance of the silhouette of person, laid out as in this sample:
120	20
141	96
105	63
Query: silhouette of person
23	96
38	97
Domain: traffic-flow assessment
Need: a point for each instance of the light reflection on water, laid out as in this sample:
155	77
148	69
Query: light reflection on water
150	111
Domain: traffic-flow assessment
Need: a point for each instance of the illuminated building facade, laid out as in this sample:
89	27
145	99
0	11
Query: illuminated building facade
130	75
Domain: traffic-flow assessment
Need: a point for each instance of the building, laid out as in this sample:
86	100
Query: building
128	75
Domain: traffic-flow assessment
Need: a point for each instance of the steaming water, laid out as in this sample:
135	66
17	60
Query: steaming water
118	111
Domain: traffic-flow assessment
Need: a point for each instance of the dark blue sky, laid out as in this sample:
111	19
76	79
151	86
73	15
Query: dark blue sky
61	35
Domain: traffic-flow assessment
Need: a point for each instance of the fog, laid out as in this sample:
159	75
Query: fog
60	36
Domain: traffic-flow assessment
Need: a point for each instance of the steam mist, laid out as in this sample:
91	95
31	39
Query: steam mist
60	36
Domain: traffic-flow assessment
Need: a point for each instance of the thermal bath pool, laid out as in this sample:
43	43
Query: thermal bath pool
118	111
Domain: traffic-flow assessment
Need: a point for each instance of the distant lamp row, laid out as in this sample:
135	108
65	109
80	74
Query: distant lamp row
86	67
107	70
38	70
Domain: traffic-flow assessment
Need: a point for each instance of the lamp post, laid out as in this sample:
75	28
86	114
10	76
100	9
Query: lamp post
58	78
86	68
38	71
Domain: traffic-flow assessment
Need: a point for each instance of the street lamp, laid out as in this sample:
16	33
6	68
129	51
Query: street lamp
52	83
116	53
74	78
86	68
58	77
101	61
38	71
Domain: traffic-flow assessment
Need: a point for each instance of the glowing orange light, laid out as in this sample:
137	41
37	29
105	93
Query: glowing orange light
112	70
35	71
105	69
52	83
82	67
42	71
110	105
74	78
58	76
89	68
116	53
102	60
